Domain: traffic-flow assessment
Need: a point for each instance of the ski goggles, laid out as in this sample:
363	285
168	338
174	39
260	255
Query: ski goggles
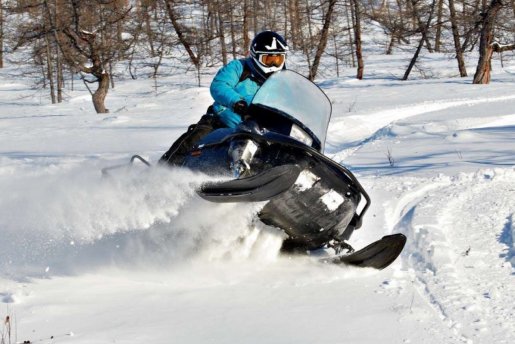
272	60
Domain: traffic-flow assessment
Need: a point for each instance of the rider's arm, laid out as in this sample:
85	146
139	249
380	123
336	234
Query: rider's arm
222	86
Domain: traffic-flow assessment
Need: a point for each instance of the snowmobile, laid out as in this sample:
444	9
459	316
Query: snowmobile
275	156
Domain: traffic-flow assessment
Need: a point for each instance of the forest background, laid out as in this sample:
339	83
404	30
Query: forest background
100	41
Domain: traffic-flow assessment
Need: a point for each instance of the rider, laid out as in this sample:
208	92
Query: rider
233	88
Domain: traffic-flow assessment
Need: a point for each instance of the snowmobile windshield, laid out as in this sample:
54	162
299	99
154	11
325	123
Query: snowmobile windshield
294	96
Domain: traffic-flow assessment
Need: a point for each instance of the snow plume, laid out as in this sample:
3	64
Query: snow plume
56	219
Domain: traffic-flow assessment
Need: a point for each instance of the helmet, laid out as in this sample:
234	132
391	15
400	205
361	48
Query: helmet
268	50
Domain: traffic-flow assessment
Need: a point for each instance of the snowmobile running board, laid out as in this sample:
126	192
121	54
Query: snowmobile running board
258	188
105	170
377	255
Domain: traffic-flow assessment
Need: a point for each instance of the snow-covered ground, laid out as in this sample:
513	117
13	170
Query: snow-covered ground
141	259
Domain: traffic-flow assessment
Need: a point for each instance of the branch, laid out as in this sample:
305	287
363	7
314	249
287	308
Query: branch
86	82
499	48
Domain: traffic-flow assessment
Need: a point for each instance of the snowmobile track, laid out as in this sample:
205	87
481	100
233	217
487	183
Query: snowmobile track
470	286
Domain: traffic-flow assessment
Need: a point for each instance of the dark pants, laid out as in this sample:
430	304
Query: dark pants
184	144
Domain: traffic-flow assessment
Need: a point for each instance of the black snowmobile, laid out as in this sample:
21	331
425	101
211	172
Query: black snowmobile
276	157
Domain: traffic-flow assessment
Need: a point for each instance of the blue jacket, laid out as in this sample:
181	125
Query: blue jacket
226	89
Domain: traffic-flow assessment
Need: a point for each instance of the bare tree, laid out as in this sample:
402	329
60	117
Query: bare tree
324	35
234	43
153	37
50	69
246	20
295	23
86	36
221	30
35	32
484	66
356	15
456	37
439	25
89	42
424	31
186	41
391	17
471	24
350	21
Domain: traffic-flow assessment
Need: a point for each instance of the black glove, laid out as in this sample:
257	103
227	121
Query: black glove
241	108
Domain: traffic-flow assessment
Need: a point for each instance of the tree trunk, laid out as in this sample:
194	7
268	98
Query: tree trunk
221	32
393	32
59	75
336	56
350	25
484	66
438	34
456	36
246	39
59	65
233	30
310	43
424	29
422	40
286	20
100	94
324	35
148	30
50	70
41	62
356	13
294	23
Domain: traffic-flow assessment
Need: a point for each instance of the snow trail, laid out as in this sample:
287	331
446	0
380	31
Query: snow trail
461	264
361	128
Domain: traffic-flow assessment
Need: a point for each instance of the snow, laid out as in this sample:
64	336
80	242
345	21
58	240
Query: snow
138	257
306	180
332	200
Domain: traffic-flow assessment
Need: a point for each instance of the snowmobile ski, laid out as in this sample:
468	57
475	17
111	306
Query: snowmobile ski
258	188
377	255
